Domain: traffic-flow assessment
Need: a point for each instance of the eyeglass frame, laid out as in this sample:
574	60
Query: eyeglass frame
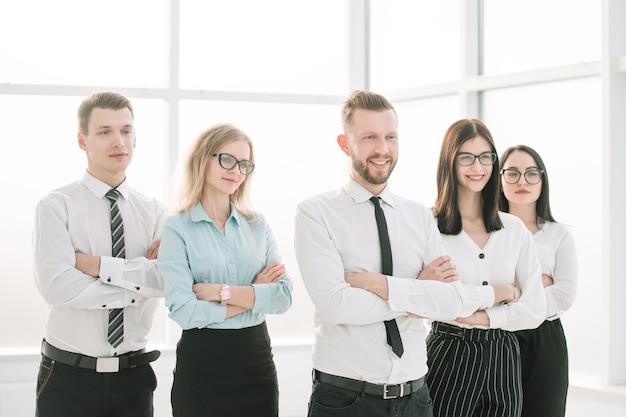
237	163
493	154
522	174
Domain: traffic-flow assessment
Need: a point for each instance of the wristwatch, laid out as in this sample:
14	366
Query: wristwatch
224	294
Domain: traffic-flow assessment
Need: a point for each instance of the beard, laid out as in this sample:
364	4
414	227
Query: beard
362	169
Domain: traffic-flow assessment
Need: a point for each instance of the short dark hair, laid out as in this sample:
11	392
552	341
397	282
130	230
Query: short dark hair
544	213
366	100
446	204
103	100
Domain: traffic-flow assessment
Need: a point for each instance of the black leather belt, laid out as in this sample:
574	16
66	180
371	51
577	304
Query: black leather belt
114	364
384	391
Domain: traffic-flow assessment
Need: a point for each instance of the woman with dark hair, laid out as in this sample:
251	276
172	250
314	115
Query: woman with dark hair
223	274
526	194
474	362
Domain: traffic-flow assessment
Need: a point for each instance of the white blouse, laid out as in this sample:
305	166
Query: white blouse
558	259
509	256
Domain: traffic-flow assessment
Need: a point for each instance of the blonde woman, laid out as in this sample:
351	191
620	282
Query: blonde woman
223	274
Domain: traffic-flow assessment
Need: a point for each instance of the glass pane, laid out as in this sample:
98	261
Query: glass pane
277	46
565	127
413	43
523	35
76	42
296	156
42	154
422	124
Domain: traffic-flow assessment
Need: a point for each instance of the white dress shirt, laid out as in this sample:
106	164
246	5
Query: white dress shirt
508	257
336	232
75	218
558	258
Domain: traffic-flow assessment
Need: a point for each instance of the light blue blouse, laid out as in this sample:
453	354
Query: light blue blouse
193	250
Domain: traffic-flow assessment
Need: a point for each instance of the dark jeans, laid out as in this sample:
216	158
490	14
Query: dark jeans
67	391
331	401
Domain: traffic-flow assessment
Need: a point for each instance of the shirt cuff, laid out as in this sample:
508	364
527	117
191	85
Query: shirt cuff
111	270
262	297
497	316
399	293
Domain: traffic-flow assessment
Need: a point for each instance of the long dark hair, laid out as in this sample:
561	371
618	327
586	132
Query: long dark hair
446	204
544	213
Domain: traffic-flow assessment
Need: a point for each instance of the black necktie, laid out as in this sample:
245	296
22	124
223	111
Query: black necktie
115	333
393	334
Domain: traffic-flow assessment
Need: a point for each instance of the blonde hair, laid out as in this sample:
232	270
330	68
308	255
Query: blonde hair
192	186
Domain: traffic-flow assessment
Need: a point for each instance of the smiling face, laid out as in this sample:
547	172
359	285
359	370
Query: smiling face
473	178
221	181
521	193
109	143
372	144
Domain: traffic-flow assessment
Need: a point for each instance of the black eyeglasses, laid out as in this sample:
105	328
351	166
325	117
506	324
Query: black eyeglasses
512	176
227	161
485	158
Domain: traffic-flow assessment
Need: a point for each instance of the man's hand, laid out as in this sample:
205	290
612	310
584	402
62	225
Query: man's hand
88	264
441	269
369	281
153	250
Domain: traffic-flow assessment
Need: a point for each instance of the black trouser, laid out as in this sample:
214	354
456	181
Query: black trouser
544	370
474	372
225	372
332	401
67	391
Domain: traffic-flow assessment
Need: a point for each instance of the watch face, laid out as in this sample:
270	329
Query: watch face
226	293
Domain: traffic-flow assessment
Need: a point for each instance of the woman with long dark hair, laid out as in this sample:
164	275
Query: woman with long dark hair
474	362
526	194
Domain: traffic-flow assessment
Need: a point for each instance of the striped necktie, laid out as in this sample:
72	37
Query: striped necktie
391	326
116	315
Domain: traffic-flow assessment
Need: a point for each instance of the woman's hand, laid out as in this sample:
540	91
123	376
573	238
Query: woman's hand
274	272
506	293
207	291
547	280
479	318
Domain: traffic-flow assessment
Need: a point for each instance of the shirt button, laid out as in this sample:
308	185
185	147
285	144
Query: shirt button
481	256
485	283
109	279
132	301
104	306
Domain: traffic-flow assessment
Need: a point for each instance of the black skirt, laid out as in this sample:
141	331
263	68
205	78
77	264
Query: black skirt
225	372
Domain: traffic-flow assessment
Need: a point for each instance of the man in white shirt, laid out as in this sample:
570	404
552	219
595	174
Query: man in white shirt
356	372
84	276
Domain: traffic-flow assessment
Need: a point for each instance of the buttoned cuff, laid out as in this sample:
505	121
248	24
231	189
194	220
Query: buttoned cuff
111	270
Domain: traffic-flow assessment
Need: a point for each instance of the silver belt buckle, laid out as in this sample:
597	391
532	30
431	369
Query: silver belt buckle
107	365
386	395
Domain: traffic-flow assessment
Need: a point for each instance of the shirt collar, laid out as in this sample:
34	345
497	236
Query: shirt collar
99	188
360	195
197	214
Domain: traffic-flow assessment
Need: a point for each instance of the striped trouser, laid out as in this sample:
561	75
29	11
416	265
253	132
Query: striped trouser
474	372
